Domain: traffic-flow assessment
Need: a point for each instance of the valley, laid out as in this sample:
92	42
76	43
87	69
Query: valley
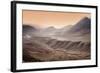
52	44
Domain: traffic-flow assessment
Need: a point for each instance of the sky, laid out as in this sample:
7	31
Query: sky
44	19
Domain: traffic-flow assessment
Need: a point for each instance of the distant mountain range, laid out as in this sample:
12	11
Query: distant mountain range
79	31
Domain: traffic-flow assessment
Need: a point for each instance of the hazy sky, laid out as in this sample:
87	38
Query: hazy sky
44	19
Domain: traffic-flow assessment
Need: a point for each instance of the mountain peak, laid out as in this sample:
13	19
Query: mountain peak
83	25
86	18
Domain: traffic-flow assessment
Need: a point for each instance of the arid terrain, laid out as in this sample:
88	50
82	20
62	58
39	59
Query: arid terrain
51	44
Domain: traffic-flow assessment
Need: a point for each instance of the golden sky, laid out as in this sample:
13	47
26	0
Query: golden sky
44	19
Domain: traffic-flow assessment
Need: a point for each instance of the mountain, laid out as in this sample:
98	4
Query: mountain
49	31
28	31
83	26
28	28
78	32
